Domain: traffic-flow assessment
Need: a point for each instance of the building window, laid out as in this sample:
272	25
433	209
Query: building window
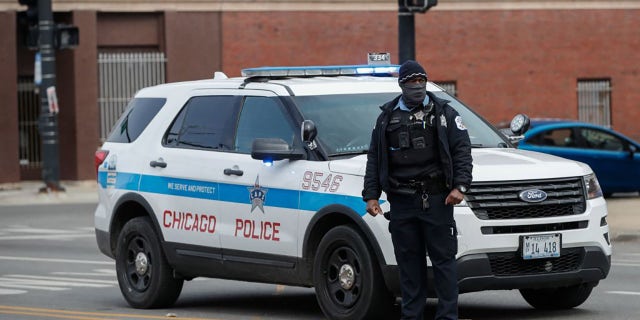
448	86
121	75
594	101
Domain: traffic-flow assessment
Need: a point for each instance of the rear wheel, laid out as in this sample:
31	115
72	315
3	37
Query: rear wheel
144	276
347	278
558	298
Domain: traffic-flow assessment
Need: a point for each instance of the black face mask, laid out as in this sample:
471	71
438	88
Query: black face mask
413	94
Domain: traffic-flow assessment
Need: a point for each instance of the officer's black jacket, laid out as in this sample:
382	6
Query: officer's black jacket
455	150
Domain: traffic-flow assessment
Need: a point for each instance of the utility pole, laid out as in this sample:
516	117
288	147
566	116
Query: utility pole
407	28
48	120
44	35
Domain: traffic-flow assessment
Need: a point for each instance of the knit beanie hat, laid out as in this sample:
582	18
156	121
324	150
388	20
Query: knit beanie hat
410	69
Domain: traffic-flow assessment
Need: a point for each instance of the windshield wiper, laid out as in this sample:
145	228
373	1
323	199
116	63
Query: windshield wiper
354	153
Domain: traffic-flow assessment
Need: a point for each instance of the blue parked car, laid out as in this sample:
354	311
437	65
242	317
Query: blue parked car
613	157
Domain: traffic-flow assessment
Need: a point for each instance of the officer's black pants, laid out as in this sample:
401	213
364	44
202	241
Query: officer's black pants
414	233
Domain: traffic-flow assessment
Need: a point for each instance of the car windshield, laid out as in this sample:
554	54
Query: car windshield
345	121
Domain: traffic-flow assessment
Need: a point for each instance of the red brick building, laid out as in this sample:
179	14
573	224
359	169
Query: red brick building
502	57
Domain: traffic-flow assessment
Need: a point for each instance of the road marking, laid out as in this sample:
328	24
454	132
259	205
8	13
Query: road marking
26	229
98	272
111	263
52	284
11	291
626	261
32	286
49	283
22	276
67	314
47	315
49	237
21	232
626	264
628	293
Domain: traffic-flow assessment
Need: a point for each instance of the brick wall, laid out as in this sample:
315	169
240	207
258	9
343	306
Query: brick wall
504	62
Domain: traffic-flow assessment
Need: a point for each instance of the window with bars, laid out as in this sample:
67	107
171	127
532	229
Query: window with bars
121	75
448	86
594	101
28	112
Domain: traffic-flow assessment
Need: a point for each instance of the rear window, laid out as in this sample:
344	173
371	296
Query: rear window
135	119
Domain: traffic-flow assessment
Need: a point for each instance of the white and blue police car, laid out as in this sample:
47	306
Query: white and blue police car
259	178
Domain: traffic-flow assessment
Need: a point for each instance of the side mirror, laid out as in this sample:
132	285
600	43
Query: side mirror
632	150
309	133
273	149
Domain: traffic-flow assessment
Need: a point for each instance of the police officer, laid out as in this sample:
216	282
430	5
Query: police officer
420	156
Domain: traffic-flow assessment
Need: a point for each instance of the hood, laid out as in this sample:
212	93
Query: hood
494	164
515	164
354	166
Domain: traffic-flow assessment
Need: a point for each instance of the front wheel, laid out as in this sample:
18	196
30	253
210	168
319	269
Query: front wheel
145	277
558	298
347	279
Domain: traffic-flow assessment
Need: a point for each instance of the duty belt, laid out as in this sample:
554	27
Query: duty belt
434	185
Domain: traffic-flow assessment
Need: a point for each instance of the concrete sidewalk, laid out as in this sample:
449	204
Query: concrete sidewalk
28	192
623	219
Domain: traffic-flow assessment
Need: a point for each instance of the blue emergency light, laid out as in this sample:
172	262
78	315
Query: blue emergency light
310	71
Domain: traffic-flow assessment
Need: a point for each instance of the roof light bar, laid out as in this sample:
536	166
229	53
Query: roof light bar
309	71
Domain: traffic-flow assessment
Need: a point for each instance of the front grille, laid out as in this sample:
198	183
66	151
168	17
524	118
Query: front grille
511	264
499	200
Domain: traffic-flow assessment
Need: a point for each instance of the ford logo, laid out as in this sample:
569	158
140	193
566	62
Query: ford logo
532	195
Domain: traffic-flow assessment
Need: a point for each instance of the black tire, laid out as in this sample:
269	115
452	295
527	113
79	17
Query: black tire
557	298
363	294
145	278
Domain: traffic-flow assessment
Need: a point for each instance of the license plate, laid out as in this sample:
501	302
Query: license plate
541	246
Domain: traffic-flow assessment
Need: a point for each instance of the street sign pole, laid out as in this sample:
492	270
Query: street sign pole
48	120
407	26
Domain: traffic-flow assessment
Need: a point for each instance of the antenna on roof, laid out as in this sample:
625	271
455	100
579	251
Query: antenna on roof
219	75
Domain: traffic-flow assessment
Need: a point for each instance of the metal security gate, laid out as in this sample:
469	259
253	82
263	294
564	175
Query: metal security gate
28	112
121	75
594	102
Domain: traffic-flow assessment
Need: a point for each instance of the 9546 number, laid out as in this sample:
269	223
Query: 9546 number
318	181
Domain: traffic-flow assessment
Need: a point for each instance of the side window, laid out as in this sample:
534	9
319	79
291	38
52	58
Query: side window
205	122
262	117
596	139
135	119
557	138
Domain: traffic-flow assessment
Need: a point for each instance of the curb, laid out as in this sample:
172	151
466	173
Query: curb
625	237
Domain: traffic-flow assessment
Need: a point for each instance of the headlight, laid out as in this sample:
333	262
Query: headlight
593	186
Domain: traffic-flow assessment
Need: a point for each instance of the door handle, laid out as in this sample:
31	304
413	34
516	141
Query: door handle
234	171
158	163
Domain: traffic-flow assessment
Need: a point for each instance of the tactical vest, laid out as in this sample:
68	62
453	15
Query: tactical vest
413	144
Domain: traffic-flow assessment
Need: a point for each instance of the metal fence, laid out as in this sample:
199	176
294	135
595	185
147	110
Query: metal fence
28	112
121	75
594	101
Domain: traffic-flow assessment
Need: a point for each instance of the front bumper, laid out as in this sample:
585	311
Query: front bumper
505	271
479	272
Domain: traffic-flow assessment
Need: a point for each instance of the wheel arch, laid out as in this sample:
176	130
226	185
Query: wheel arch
130	205
332	216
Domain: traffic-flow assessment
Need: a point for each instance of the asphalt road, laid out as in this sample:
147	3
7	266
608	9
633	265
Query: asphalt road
50	268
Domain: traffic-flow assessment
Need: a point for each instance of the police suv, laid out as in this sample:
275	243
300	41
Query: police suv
259	178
